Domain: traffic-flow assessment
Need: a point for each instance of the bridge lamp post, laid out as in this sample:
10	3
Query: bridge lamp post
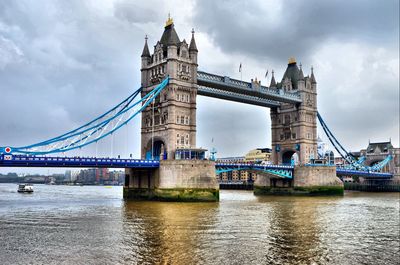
152	131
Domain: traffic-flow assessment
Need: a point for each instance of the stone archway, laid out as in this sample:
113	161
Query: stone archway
156	150
287	157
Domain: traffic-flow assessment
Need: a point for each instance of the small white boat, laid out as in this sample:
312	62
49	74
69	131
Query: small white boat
25	188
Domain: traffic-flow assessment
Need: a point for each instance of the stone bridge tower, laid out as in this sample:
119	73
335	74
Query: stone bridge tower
169	125
170	122
294	127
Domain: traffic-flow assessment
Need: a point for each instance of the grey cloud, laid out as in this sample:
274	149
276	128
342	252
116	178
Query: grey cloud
134	13
62	64
298	28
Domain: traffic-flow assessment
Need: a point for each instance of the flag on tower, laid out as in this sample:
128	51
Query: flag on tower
240	67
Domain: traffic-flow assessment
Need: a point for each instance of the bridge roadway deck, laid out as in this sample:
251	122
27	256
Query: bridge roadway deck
87	162
93	162
339	171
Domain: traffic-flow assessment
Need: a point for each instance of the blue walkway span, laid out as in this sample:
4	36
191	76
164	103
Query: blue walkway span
85	162
224	87
361	173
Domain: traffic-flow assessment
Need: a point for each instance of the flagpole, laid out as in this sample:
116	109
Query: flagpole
240	70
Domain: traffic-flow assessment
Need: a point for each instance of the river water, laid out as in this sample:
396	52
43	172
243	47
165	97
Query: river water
93	225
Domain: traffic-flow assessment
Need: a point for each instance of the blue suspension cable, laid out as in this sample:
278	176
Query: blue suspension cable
130	98
349	157
146	100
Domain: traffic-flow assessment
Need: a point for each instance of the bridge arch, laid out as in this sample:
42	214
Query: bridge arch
287	156
159	149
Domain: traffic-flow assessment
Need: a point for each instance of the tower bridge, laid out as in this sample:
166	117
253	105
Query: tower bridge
171	167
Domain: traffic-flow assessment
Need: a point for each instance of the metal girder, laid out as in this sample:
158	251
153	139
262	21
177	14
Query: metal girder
276	170
236	97
231	89
365	174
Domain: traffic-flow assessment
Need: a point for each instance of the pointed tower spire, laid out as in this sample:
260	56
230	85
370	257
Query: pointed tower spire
146	52
192	46
301	75
273	82
169	36
312	76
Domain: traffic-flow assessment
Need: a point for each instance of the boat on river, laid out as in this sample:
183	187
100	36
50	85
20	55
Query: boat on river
25	188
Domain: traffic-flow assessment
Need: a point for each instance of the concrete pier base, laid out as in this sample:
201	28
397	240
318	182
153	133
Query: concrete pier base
174	180
307	180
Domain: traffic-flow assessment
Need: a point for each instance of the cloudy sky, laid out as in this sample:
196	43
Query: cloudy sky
63	63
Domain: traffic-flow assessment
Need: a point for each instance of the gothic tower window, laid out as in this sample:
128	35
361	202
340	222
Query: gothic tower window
287	119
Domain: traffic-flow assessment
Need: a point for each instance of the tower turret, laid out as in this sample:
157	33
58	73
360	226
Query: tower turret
193	48
301	75
300	82
313	81
145	54
273	82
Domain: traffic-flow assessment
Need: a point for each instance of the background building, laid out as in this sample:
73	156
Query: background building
376	152
259	155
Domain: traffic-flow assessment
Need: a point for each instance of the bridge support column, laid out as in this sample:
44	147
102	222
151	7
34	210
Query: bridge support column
307	180
174	180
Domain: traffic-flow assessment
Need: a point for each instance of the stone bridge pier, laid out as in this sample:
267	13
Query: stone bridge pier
174	180
307	180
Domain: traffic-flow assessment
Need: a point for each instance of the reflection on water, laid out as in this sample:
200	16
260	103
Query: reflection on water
93	225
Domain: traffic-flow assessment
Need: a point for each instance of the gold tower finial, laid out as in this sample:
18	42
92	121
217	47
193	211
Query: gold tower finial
169	21
292	60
